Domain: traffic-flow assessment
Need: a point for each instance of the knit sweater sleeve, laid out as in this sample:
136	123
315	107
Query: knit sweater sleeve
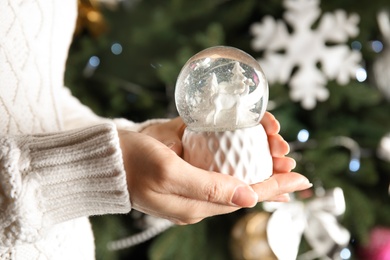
50	178
53	177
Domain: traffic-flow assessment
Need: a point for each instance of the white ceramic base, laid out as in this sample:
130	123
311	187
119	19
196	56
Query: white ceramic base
243	153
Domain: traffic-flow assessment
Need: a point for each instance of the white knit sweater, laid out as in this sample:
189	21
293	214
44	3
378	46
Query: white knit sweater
59	163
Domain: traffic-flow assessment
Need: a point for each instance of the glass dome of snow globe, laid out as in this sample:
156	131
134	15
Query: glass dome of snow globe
221	89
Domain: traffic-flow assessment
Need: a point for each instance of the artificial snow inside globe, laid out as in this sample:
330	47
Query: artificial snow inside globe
222	94
221	88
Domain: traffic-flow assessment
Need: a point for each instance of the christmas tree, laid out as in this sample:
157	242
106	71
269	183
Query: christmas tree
328	66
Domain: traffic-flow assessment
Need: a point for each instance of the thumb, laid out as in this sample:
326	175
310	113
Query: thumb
175	145
216	188
244	196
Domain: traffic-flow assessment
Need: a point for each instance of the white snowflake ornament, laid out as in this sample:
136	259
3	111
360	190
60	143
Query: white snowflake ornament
381	65
318	55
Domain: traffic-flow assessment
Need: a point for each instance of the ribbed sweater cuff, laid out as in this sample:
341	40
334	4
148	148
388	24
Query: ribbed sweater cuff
80	172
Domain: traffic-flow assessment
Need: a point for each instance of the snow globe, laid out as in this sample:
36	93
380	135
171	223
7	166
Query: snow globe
221	94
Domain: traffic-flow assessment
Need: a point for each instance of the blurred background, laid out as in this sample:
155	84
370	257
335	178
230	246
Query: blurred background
328	66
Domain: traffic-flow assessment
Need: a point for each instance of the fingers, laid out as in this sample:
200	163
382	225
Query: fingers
169	133
279	184
213	200
175	145
187	195
186	210
281	198
270	124
278	146
176	125
283	164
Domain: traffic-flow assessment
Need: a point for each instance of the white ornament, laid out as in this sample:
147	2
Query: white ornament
306	48
383	150
381	65
316	220
221	94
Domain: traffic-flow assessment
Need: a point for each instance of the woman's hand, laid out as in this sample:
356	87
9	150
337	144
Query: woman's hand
162	184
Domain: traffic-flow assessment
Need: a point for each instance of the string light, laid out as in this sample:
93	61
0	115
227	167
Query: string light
356	45
354	165
91	66
345	254
303	136
361	74
377	46
116	48
353	146
94	61
303	142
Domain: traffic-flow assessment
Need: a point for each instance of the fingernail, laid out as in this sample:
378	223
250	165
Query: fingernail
244	196
306	185
288	150
170	145
293	164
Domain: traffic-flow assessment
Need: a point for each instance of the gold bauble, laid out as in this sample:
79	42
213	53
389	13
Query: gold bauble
249	238
90	18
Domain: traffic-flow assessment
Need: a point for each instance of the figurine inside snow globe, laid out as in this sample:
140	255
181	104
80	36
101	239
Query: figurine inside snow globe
222	94
221	88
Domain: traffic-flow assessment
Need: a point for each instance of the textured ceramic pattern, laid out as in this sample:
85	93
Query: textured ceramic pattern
243	153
